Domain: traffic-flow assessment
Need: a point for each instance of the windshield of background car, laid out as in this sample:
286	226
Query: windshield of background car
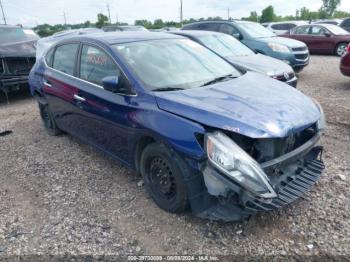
255	30
10	35
336	30
224	45
173	63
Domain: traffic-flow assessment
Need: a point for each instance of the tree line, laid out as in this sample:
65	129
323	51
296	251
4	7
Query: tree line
328	10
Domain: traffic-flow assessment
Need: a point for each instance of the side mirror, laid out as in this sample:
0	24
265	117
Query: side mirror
111	83
327	34
237	36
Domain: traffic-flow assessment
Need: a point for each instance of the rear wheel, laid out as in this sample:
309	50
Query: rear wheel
340	50
48	120
163	178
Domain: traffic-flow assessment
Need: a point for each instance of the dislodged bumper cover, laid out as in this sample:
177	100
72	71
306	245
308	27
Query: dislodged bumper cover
289	180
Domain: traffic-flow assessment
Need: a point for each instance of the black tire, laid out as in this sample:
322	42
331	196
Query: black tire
163	177
48	120
340	49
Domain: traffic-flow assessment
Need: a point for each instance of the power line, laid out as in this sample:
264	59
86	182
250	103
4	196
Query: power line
3	13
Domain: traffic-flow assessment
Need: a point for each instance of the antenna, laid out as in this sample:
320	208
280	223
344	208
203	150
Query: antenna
3	13
109	14
181	13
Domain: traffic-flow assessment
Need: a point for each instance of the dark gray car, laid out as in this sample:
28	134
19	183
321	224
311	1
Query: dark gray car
241	56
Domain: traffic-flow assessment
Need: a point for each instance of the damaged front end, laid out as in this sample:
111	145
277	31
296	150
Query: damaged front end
14	73
244	175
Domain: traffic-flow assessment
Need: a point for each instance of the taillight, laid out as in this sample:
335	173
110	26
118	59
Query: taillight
348	49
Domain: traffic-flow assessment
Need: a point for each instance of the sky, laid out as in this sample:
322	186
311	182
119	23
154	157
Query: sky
32	12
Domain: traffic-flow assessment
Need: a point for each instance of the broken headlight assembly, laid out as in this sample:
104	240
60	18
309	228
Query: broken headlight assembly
321	123
232	161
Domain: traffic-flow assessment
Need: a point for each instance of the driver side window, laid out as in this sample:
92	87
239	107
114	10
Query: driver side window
95	65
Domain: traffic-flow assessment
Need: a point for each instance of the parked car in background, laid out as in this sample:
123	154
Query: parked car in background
241	56
322	38
328	21
260	40
345	24
116	28
17	56
44	43
280	28
200	133
345	63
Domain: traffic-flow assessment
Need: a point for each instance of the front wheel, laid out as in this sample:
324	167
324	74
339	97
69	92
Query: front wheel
340	50
163	178
48	120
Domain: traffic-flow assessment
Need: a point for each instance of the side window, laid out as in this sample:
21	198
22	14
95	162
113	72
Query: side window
279	27
346	23
290	26
228	29
2	69
302	30
95	65
317	30
209	27
64	58
49	57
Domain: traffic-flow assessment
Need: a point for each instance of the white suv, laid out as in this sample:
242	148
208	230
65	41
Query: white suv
280	28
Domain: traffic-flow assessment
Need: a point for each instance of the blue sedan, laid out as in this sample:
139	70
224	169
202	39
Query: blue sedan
202	135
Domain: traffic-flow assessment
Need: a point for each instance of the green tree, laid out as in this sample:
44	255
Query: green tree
158	23
268	15
328	8
144	23
102	20
253	17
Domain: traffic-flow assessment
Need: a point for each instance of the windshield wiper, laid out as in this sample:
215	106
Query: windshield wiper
219	79
164	89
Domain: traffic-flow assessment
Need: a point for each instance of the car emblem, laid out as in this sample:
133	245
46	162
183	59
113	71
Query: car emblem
286	75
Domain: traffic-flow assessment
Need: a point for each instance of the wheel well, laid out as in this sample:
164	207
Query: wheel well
141	145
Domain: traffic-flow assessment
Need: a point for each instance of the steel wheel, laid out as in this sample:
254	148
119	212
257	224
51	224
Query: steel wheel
161	178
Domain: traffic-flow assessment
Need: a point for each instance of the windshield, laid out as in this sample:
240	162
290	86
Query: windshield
336	29
173	63
9	35
255	30
224	45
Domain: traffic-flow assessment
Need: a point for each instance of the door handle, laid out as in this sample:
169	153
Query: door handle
47	83
79	98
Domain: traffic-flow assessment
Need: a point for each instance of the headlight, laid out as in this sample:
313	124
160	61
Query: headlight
279	48
235	163
321	123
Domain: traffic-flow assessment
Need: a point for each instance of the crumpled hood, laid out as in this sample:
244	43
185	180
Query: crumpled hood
19	49
252	105
291	43
261	63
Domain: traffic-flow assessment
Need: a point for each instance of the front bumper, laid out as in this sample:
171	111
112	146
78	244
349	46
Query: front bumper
291	176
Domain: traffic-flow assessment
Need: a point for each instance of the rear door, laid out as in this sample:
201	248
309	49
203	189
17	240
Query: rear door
60	85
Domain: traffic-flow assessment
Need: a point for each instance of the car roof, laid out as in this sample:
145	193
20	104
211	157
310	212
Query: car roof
11	26
124	37
221	21
195	32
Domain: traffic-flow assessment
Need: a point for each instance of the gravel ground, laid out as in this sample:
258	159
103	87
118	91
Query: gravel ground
59	196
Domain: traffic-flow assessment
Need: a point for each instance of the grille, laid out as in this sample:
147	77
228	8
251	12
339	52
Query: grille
299	49
292	188
301	56
17	66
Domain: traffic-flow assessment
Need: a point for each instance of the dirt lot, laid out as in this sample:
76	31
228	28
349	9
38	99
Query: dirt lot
60	196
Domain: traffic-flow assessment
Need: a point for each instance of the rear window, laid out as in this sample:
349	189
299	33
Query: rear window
12	35
64	58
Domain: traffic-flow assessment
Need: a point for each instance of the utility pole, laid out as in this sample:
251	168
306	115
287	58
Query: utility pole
109	14
3	13
65	19
181	13
117	19
228	13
